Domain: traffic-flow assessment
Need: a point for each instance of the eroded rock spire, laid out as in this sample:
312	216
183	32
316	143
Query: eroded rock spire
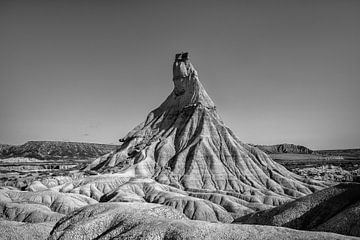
187	88
184	144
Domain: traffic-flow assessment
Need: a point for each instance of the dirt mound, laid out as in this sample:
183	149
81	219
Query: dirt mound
335	209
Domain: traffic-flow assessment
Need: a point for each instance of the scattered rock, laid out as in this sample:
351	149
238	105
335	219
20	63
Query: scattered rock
327	173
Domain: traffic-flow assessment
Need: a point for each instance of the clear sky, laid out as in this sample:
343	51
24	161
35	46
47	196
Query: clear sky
278	71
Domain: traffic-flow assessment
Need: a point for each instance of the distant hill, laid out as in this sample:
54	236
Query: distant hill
45	150
4	147
284	148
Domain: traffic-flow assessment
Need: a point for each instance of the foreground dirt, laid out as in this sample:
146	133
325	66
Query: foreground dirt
335	209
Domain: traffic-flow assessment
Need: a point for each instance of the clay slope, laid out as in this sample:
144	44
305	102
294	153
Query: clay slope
185	144
28	212
196	203
32	215
151	221
335	209
40	206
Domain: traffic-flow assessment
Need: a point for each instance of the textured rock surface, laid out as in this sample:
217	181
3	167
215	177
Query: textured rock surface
147	190
150	221
185	144
28	212
10	230
335	209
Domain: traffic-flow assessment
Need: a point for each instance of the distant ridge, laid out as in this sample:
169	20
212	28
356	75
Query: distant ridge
284	148
45	150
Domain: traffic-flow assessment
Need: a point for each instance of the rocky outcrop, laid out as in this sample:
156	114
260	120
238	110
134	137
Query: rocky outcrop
284	148
151	221
335	209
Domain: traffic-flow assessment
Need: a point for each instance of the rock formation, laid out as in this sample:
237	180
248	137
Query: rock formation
185	144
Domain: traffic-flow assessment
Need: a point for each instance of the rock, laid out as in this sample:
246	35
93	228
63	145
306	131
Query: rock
335	209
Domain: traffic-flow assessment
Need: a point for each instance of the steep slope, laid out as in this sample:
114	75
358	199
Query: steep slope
335	209
56	150
185	144
151	221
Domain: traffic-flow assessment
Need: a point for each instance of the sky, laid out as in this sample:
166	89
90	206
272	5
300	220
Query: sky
90	71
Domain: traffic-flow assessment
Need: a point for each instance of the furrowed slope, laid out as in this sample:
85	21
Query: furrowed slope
185	144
